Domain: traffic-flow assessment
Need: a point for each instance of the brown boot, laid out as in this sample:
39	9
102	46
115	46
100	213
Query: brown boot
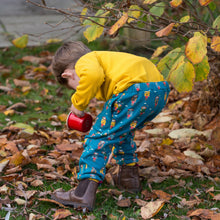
83	196
127	178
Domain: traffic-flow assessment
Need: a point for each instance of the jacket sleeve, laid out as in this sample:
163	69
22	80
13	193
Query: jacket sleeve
91	76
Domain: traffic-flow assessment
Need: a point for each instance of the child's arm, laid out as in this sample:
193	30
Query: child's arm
76	111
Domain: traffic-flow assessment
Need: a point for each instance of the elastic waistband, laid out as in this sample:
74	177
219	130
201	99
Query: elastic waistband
163	85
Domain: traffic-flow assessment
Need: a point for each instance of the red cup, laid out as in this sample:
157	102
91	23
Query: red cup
80	124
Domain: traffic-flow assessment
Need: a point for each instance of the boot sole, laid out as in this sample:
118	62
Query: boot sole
73	204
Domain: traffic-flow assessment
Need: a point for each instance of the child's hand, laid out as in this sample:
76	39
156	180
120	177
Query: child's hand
77	112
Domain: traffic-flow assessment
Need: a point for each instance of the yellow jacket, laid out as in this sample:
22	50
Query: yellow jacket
104	73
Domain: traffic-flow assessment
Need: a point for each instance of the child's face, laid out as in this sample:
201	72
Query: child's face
72	78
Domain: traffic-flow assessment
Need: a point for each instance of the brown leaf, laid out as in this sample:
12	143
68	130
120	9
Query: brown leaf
162	195
190	203
5	88
165	31
45	167
26	194
33	59
217	197
215	217
53	201
68	147
201	213
37	183
61	214
124	202
21	83
140	202
11	146
17	106
148	195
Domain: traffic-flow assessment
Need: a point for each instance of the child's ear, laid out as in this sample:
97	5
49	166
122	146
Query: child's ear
66	75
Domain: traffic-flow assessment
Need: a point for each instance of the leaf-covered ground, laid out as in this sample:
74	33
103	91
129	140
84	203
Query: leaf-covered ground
178	151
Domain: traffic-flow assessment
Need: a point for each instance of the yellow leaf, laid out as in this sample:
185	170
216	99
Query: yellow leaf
149	2
93	32
21	42
158	51
151	209
185	19
176	3
134	12
9	112
204	2
40	68
17	158
165	31
215	45
196	48
53	40
25	89
83	13
62	117
118	24
167	141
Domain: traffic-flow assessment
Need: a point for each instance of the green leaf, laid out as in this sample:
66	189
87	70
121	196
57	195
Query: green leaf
167	62
182	75
202	70
93	32
158	9
216	23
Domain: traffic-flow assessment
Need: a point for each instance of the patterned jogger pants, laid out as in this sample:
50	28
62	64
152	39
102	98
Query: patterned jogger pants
115	125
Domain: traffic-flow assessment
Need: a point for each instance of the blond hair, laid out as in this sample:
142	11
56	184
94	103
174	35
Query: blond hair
66	57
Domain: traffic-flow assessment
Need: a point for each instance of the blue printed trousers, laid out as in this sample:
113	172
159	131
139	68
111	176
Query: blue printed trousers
115	125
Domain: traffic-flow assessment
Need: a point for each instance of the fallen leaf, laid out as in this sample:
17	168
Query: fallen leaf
18	106
202	213
4	189
217	197
20	201
190	203
50	200
61	214
192	154
162	195
3	164
151	209
21	83
140	202
124	202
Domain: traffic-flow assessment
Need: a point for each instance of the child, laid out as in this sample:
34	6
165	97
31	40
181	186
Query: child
134	91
